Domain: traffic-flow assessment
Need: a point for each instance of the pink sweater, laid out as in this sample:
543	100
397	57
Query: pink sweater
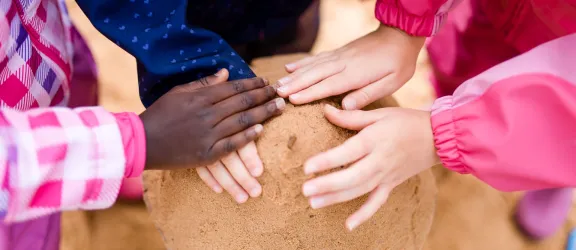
511	126
54	159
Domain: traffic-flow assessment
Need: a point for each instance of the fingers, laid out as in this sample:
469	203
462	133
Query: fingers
207	177
325	200
291	67
359	173
355	119
239	172
350	151
334	85
243	120
376	199
243	101
230	144
362	97
220	77
220	92
298	82
226	180
249	155
303	79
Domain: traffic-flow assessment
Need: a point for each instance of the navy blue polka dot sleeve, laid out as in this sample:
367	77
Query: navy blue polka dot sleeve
169	51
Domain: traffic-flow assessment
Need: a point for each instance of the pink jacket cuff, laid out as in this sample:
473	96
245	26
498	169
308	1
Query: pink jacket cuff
134	141
391	15
445	139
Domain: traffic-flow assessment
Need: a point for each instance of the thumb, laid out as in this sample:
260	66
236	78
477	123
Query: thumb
220	77
352	119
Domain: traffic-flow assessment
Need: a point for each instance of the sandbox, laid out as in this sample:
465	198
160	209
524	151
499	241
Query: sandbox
191	216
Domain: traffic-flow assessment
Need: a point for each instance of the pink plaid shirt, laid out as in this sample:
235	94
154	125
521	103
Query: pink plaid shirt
54	159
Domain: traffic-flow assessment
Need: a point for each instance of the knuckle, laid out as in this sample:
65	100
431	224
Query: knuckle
259	83
229	146
247	100
200	99
204	115
231	187
244	119
243	180
204	155
204	81
238	86
333	64
364	95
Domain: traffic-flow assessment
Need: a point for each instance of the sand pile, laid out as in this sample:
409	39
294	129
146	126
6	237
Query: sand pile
191	216
470	215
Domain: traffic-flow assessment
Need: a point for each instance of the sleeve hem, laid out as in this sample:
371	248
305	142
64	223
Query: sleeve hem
391	15
134	140
445	134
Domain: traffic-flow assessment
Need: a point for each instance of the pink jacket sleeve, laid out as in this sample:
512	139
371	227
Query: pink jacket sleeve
55	159
514	126
415	17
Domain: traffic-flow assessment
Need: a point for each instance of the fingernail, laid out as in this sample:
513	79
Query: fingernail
217	189
351	225
258	128
255	192
295	97
290	66
219	72
257	172
283	80
256	131
316	202
280	103
265	81
309	189
308	168
283	89
241	198
332	108
349	104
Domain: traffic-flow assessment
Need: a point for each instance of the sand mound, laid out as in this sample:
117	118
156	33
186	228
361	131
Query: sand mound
191	216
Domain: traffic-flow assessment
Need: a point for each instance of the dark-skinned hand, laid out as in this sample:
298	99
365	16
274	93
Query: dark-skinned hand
196	124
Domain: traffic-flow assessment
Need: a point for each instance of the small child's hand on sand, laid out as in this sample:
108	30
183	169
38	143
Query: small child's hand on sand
236	173
194	126
393	145
375	66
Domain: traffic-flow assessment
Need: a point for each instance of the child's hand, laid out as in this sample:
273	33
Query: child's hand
235	173
192	127
393	145
375	66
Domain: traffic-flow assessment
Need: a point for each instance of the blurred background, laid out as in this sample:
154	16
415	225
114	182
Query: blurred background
469	216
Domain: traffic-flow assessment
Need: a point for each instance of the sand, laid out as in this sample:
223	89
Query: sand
469	215
191	216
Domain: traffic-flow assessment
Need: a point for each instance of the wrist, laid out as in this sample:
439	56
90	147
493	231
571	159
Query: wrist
428	137
416	42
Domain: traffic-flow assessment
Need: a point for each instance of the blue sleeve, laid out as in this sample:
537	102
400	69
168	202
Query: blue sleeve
169	51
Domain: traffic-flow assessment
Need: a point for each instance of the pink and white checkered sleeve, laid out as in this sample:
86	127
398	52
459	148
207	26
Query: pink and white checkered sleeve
55	159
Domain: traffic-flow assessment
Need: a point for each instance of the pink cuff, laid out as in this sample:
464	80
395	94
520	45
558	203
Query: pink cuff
134	140
389	14
444	129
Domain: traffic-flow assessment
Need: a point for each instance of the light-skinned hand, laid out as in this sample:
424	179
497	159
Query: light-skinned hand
373	66
393	145
236	173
